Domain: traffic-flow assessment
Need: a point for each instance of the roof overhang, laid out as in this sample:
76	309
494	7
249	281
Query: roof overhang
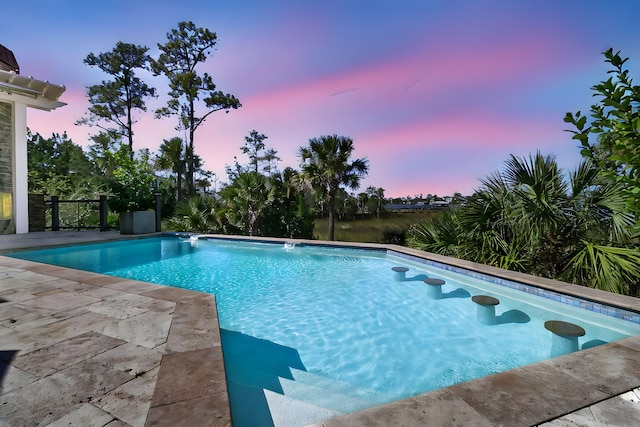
32	92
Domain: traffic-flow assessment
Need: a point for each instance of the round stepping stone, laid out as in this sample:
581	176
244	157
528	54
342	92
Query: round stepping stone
564	337
486	312
399	273
485	300
434	290
564	329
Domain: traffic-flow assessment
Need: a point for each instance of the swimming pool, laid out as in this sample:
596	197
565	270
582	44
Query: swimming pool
339	316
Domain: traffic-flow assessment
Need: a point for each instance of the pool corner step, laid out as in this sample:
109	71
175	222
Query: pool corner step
290	412
324	397
339	386
256	407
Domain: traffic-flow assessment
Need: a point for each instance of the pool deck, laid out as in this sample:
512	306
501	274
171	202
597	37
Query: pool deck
79	348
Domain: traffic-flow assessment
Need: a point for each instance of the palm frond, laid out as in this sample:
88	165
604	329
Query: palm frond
608	268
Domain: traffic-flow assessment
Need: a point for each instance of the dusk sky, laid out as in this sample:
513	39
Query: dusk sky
435	93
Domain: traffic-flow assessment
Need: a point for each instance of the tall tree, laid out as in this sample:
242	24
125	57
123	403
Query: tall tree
187	47
326	165
610	134
253	145
363	200
113	102
270	159
261	159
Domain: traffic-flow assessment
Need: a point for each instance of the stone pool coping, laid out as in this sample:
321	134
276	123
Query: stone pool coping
185	351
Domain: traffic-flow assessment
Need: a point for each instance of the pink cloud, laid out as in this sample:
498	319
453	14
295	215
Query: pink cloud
398	109
462	129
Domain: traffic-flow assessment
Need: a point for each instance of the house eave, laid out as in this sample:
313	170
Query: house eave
32	92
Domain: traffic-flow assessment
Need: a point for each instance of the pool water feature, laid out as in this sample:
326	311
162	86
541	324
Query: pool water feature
319	331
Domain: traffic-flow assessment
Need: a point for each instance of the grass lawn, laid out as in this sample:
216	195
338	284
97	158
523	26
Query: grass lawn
390	228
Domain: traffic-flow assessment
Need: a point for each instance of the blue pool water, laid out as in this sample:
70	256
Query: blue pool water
339	314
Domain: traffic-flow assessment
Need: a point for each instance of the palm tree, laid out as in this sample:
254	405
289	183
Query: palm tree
172	158
290	184
530	218
199	214
440	234
245	199
326	166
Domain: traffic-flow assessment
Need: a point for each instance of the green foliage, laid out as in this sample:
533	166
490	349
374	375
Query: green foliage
290	213
395	235
133	182
254	144
172	157
56	165
114	101
261	159
608	268
252	204
439	233
375	200
186	48
102	155
610	134
200	214
245	201
529	218
326	166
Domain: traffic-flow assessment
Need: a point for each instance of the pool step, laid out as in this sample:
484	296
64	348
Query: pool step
253	377
320	396
288	412
256	407
324	397
264	364
266	369
268	385
340	386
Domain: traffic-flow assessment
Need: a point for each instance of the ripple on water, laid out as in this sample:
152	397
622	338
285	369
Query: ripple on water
349	319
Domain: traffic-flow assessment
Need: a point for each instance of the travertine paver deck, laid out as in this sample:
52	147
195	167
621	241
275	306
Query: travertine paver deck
83	349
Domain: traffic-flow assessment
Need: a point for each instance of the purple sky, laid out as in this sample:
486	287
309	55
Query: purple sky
436	94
